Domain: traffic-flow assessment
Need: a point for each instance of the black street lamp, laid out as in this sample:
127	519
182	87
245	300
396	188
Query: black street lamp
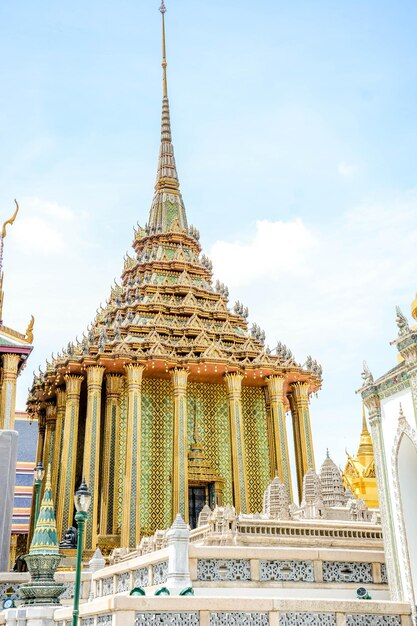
82	501
39	472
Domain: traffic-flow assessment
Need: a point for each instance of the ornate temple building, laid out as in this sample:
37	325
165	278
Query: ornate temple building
391	401
169	400
359	473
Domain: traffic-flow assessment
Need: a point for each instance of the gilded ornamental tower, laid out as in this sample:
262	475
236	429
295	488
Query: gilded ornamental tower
169	401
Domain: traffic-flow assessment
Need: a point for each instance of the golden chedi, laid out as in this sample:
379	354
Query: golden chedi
359	474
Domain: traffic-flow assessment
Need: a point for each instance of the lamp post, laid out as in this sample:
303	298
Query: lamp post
39	472
82	501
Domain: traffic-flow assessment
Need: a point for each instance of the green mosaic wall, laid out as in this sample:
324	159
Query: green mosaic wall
256	445
210	403
156	455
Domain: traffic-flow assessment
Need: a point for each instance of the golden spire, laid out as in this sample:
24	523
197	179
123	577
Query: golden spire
366	450
167	213
162	8
364	424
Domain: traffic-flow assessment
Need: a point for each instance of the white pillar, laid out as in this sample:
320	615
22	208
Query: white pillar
178	567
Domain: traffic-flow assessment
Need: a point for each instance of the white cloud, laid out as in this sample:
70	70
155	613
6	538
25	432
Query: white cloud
276	248
41	227
35	234
347	170
332	293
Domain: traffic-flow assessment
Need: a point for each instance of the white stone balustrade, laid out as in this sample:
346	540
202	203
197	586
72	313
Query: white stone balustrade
208	611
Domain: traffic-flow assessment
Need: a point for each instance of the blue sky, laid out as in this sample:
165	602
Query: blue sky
295	134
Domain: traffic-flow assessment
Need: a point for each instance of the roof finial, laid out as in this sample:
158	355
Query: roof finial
364	424
162	8
327	453
160	218
3	235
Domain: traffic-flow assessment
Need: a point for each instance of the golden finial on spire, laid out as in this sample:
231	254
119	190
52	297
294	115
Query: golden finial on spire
162	8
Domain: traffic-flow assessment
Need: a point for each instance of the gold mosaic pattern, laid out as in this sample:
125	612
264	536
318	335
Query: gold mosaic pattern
156	455
256	445
122	452
210	403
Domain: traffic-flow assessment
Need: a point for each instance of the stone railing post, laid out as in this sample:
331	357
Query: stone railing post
178	565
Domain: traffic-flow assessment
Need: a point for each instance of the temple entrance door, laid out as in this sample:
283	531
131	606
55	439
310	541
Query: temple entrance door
196	501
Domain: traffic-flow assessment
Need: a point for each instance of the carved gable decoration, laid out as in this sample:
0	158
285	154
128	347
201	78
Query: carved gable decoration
179	255
194	323
190	300
370	470
213	352
221	306
202	340
184	279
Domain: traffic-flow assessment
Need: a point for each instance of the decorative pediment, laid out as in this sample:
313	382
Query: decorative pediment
158	350
194	323
184	279
179	255
190	300
202	340
370	470
228	328
249	346
213	352
160	320
221	306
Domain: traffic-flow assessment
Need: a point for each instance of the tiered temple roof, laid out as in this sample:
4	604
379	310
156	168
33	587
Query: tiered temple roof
167	311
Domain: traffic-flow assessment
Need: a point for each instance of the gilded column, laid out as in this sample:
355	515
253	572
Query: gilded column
65	504
373	404
277	418
297	446
8	391
270	433
180	450
92	450
49	433
41	435
39	456
300	397
110	457
130	536
240	487
59	429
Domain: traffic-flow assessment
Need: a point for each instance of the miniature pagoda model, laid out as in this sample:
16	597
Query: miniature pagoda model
164	359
